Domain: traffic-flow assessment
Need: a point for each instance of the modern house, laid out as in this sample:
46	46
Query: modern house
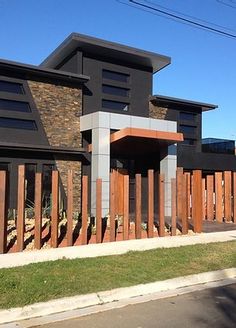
89	107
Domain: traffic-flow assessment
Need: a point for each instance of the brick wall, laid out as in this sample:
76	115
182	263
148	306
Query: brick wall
60	109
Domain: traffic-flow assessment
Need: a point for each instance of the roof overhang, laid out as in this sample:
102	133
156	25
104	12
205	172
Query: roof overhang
106	49
31	71
171	101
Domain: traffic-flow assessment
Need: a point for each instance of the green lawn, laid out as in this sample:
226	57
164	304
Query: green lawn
44	281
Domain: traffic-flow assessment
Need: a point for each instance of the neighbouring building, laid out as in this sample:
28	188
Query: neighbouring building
89	107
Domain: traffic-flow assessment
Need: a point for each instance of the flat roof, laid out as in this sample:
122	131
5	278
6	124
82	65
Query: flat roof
172	100
7	67
106	49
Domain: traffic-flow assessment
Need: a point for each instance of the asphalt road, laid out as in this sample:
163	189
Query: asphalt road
214	307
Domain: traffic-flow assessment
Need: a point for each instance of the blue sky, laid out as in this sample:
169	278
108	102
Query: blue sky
203	64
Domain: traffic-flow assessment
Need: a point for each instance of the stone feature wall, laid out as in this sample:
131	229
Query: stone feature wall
60	108
157	111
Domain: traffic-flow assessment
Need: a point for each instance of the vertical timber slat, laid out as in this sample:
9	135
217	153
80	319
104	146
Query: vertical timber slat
38	211
21	208
99	211
70	208
150	203
234	197
227	196
219	195
138	205
210	204
55	209
188	177
113	204
179	191
126	208
173	207
197	201
84	227
3	213
203	199
184	205
161	209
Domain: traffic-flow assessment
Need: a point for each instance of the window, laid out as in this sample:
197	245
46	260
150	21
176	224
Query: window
116	91
30	170
187	129
12	87
4	167
187	116
18	106
189	141
17	124
47	185
109	104
110	75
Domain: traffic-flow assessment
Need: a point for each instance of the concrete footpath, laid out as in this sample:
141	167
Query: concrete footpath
61	309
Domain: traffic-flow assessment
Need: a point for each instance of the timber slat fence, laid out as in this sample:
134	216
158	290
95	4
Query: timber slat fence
194	198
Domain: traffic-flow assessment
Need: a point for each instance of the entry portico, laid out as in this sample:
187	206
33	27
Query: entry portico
129	136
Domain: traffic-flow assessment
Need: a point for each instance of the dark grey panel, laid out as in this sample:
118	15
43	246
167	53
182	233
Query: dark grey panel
140	85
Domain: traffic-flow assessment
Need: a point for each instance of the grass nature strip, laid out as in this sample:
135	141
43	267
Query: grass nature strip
49	280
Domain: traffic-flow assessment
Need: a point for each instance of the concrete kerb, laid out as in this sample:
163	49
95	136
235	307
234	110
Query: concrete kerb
114	248
115	295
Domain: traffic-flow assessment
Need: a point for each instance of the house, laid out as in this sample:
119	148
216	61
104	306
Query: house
89	107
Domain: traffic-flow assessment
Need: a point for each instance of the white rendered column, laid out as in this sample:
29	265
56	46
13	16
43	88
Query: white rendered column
168	166
100	167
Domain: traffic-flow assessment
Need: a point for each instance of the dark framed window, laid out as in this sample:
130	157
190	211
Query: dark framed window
11	87
116	91
4	166
189	141
30	170
116	76
187	129
18	106
110	104
187	116
14	123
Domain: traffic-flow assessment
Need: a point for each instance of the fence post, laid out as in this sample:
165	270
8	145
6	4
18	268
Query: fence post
184	205
150	220
203	199
197	200
3	213
179	182
210	204
234	197
21	208
55	209
126	208
138	206
84	227
227	196
38	210
99	210
173	207
113	204
219	195
188	177
161	205
69	208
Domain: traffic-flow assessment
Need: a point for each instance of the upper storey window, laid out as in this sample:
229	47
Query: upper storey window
11	87
122	92
187	116
13	105
115	76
